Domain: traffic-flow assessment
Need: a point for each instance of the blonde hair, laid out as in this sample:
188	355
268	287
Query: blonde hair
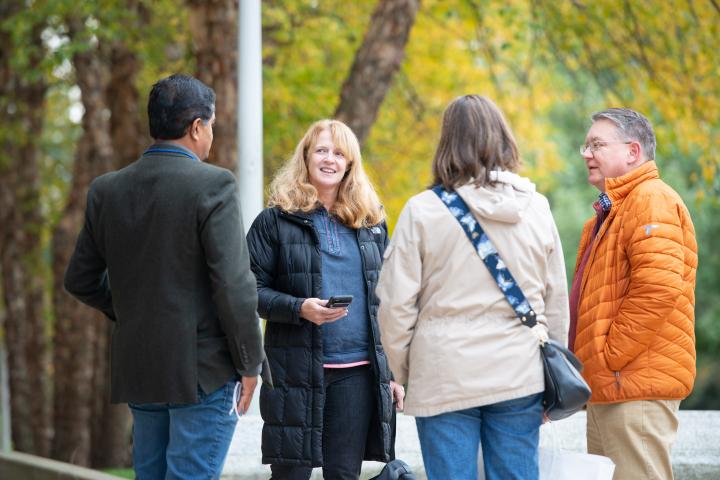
357	205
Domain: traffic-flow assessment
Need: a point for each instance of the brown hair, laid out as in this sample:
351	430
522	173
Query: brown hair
475	140
357	204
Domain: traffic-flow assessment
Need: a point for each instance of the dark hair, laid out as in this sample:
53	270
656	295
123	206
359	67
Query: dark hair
475	140
632	126
174	104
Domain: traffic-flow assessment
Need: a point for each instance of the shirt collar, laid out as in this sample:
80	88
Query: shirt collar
603	203
171	148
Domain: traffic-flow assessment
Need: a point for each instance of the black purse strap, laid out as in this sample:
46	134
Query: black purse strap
489	255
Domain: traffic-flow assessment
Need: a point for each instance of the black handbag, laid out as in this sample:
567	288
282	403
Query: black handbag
395	470
566	392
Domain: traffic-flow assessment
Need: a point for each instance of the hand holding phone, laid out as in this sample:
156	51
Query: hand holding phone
339	301
316	310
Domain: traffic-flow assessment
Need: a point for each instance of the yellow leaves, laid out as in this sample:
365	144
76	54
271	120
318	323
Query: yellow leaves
660	58
532	58
308	50
453	51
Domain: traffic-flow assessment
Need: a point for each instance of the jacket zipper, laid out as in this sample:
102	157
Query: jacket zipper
367	284
617	380
593	248
373	339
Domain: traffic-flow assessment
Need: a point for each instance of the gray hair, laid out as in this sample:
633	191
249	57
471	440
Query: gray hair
632	125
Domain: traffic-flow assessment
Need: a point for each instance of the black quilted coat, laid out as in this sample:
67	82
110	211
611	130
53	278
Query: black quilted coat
285	257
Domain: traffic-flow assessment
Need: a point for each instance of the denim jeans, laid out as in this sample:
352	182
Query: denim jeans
349	407
183	441
509	433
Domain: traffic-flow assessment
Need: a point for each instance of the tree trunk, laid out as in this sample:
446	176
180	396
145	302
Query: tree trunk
76	325
22	103
128	131
376	62
111	424
213	25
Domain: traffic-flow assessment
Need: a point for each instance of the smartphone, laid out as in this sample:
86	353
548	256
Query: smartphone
339	301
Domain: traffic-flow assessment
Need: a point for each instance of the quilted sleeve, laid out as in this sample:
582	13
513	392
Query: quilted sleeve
273	305
655	253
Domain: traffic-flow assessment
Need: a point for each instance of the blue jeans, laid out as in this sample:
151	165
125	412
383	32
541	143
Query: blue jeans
349	406
183	441
508	431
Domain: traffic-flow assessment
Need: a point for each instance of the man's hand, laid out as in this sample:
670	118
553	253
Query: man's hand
248	388
314	310
398	392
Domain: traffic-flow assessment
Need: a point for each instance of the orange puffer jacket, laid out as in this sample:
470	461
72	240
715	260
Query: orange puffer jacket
635	319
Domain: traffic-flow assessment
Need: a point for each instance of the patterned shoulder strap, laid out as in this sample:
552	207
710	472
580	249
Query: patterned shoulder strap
489	255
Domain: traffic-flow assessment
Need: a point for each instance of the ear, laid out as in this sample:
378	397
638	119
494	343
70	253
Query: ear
195	129
635	152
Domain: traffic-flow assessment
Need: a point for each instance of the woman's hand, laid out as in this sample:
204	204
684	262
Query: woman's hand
314	310
398	392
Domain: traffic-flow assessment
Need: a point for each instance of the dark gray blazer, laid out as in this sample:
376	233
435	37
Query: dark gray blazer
166	233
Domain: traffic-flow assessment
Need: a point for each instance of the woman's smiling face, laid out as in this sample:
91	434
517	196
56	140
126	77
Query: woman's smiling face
326	163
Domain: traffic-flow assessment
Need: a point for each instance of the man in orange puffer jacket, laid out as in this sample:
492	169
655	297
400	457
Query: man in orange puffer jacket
632	299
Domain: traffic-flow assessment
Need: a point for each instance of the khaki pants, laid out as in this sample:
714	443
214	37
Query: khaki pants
636	435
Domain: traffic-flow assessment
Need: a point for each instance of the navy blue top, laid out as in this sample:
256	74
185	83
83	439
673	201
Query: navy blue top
345	340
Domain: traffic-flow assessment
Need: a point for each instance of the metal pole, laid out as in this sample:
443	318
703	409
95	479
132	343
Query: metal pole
250	131
250	118
5	439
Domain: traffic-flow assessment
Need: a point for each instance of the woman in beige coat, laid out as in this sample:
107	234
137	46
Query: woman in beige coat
473	372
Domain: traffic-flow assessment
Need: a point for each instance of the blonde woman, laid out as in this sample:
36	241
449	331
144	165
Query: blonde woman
323	235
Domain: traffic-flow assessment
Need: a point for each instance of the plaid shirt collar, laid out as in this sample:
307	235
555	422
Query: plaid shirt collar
603	203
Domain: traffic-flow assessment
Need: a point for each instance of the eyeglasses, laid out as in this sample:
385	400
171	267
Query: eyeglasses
595	146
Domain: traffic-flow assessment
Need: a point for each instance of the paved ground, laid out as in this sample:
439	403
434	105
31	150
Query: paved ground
696	455
243	461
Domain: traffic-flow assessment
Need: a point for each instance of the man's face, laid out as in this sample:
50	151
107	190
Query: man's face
607	154
205	139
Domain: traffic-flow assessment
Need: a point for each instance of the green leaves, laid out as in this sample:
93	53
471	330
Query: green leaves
547	64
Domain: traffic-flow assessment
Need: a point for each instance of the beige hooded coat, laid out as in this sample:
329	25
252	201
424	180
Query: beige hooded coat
448	331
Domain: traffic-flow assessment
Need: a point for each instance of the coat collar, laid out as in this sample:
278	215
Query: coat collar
620	187
306	219
171	149
298	216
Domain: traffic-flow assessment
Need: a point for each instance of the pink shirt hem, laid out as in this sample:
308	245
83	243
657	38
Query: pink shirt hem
346	365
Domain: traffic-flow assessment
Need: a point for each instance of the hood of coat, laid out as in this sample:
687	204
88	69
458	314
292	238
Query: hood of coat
506	201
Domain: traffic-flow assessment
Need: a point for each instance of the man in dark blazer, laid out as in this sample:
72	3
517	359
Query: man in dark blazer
163	255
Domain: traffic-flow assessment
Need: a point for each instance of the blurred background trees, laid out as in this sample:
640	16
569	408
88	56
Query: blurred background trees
74	79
